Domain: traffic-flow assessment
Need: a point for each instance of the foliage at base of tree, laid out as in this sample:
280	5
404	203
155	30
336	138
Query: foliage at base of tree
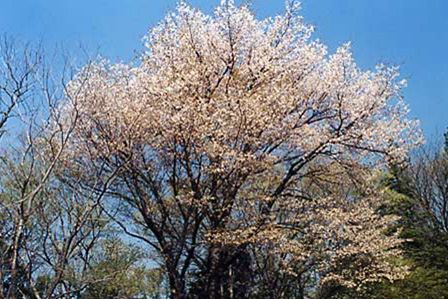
422	225
118	272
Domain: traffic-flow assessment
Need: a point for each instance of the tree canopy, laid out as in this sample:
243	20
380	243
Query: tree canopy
220	140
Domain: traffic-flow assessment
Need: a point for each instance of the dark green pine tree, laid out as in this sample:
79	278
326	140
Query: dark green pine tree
426	246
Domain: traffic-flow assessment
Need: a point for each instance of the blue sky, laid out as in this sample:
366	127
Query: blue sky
410	33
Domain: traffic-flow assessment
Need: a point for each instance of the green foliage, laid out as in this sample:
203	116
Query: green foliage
425	249
119	272
422	283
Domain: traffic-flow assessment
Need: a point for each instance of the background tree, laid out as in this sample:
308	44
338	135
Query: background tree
19	67
49	228
121	273
418	194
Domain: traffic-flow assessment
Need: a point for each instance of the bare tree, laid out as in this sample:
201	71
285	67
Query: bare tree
18	83
429	182
48	227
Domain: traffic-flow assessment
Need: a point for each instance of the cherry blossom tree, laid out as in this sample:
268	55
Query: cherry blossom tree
225	140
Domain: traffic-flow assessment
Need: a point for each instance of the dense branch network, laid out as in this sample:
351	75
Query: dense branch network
227	137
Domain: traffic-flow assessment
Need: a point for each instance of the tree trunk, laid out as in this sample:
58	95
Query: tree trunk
11	294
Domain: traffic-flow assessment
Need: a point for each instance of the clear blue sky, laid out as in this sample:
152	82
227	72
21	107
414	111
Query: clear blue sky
411	33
